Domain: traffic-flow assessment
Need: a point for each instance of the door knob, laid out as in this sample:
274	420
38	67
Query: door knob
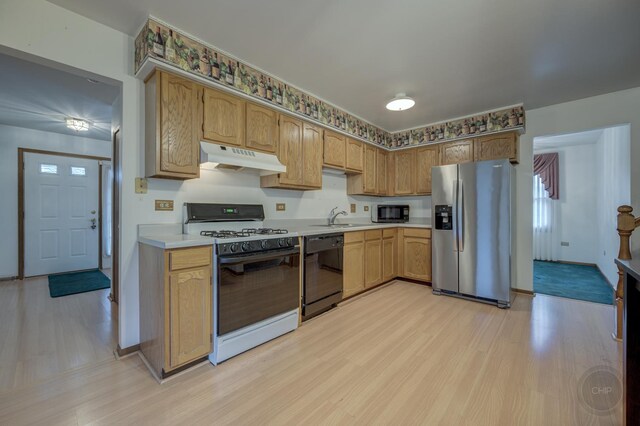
93	223
93	212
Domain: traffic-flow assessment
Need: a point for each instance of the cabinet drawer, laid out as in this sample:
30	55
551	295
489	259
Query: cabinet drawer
373	234
353	237
389	232
417	232
189	258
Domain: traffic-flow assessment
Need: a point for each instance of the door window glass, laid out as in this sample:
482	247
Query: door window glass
78	171
51	169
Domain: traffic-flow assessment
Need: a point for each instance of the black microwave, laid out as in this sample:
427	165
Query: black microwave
390	213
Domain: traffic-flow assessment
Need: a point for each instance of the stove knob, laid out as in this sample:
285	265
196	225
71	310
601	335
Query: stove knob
246	246
234	247
282	242
290	241
264	244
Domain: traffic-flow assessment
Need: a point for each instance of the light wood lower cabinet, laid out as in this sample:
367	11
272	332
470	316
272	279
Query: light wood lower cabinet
372	257
172	145
353	269
175	306
389	254
415	253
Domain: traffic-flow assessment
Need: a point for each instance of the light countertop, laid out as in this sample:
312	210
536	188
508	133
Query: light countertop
170	236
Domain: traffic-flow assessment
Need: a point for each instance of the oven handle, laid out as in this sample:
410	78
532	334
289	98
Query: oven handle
225	260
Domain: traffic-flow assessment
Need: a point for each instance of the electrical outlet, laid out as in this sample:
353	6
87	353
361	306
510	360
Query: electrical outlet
164	205
353	207
280	207
141	185
366	208
564	243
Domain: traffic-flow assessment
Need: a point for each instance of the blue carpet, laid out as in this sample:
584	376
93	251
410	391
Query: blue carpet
582	282
77	282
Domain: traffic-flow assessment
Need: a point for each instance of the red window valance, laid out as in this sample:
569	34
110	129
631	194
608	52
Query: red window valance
546	166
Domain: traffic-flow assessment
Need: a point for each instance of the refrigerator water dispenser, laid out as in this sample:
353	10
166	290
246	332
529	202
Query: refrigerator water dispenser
444	216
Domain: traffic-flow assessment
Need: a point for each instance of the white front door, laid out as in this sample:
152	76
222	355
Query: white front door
61	214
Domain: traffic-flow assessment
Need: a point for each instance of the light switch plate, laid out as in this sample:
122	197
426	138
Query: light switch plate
353	207
164	205
280	207
366	208
141	185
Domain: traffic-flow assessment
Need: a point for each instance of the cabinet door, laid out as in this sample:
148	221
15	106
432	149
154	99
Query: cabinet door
290	152
370	176
456	152
189	310
425	159
372	262
389	258
403	172
494	147
381	172
179	144
416	258
312	152
262	128
354	161
334	149
353	274
223	118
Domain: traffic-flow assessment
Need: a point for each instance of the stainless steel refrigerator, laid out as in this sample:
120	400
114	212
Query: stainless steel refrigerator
472	230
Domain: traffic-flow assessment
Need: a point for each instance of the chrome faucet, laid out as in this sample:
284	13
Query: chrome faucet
332	215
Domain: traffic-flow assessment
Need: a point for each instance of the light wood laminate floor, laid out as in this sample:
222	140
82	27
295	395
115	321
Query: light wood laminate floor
398	355
43	337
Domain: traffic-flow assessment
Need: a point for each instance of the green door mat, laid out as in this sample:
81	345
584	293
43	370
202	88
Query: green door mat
77	282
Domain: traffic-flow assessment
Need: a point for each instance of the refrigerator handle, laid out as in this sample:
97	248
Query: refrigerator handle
454	216
460	214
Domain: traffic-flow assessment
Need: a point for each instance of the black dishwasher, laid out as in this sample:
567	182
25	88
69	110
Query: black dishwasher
323	260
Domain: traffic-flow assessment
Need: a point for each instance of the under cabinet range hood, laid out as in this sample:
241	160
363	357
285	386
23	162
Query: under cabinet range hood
216	157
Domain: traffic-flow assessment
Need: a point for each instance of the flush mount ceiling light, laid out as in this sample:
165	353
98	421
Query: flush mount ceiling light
77	124
400	103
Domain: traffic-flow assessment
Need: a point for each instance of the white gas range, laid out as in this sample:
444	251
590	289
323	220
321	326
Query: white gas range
256	275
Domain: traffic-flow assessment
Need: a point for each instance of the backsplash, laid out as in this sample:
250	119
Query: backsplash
164	43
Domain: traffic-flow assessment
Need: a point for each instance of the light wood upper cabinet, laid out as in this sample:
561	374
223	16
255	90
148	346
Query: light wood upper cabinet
223	118
456	152
262	128
190	315
334	150
300	150
312	153
426	157
415	253
353	273
370	177
494	147
354	151
381	172
172	145
403	172
389	254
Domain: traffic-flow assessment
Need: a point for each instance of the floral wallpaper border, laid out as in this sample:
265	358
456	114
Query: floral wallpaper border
161	42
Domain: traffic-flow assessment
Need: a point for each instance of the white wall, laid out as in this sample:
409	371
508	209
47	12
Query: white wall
12	138
585	114
612	153
576	204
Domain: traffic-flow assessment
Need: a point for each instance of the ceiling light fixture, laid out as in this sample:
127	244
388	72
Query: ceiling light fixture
77	124
400	103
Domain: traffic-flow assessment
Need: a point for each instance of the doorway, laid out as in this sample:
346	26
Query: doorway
61	213
579	181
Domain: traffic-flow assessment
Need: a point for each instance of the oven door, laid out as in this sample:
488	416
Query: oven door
255	287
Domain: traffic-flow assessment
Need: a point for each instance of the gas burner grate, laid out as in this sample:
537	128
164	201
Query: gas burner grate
225	234
265	231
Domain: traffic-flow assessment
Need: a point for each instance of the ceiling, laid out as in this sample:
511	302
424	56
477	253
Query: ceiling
454	58
589	137
41	98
